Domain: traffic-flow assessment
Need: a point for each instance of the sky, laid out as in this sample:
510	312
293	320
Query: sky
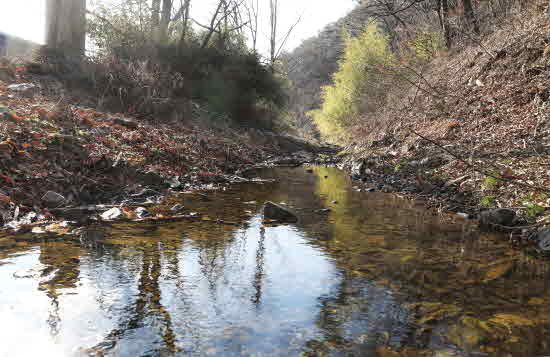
25	18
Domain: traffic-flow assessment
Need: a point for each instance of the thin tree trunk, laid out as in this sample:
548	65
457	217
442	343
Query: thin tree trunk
66	26
212	29
165	20
274	5
185	24
444	18
470	16
155	14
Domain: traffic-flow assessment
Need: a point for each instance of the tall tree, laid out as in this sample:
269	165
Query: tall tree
443	11
469	15
275	45
66	26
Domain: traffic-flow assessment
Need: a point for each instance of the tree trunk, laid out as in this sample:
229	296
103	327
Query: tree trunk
469	16
155	14
66	26
165	19
444	21
185	24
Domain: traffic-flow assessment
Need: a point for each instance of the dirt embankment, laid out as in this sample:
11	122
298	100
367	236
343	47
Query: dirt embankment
477	135
55	154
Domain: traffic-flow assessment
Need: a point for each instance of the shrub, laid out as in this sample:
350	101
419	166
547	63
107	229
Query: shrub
130	71
359	78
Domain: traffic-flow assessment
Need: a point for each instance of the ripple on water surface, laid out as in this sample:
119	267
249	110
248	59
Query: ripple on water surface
375	275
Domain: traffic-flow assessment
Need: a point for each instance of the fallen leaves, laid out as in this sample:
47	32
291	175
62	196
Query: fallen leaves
498	271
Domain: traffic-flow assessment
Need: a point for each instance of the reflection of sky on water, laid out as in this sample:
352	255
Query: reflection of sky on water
199	288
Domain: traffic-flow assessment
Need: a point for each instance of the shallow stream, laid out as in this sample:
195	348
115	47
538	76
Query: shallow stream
374	276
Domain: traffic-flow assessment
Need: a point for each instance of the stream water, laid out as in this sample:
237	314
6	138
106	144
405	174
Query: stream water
374	276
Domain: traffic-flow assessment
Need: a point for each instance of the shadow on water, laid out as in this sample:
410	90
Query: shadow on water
374	276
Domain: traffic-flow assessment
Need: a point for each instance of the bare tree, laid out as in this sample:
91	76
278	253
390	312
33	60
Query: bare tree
66	26
275	45
443	12
219	23
252	11
469	16
155	14
184	11
165	18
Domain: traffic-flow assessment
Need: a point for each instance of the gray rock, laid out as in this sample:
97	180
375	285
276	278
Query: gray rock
113	213
358	168
141	212
433	162
175	183
457	181
499	217
177	207
278	213
388	188
145	193
127	123
411	189
53	199
25	89
543	241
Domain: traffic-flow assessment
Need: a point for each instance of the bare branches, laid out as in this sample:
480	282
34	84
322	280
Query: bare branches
275	48
488	174
253	14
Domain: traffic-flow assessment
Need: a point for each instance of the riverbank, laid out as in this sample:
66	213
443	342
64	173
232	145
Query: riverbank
474	136
58	155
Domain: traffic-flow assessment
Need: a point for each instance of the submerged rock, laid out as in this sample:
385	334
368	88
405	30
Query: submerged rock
497	217
278	213
543	245
53	199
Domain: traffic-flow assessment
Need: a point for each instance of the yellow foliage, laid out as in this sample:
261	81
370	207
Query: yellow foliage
364	59
511	320
498	271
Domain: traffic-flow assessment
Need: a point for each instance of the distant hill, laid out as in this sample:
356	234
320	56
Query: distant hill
18	47
311	65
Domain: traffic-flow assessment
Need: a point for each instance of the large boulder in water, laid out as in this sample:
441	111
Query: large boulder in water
275	212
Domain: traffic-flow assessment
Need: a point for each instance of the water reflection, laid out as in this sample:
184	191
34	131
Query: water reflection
373	276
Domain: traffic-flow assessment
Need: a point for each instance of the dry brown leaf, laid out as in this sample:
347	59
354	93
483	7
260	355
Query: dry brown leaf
498	271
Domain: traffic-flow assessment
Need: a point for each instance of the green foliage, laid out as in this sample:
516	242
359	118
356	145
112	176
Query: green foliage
359	72
426	44
227	78
532	208
492	182
487	201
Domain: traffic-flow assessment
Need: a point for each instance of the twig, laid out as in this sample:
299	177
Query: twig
543	189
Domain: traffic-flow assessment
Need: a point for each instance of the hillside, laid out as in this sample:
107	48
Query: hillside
18	47
466	129
57	154
311	65
476	134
